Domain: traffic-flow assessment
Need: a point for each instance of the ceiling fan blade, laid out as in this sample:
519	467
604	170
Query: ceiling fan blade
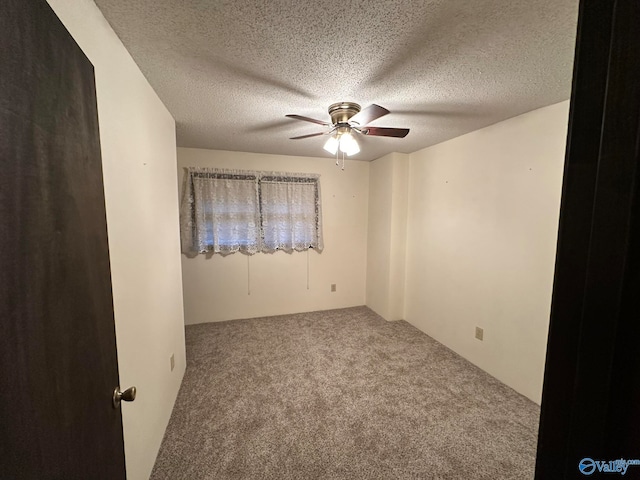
385	132
307	119
308	136
369	114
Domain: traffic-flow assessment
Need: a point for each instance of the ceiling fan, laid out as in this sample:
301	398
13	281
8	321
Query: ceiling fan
347	118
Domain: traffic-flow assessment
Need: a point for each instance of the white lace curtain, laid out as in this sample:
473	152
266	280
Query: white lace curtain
226	211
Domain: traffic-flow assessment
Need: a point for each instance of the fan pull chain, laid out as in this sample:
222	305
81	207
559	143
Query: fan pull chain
342	160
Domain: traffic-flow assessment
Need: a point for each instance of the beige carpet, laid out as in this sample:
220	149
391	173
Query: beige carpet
340	394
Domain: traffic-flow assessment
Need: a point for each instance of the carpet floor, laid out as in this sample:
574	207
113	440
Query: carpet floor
340	394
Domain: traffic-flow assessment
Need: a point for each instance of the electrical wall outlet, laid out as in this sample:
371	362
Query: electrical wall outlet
479	333
173	361
333	287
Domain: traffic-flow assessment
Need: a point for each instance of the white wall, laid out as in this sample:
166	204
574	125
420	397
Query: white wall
217	288
137	134
482	226
386	236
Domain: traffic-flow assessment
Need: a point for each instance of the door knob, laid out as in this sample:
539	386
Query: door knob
129	395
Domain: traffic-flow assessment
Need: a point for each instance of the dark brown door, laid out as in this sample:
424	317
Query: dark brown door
590	416
57	341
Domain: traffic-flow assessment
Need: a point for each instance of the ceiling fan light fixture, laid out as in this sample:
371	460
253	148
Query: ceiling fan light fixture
331	145
348	144
347	118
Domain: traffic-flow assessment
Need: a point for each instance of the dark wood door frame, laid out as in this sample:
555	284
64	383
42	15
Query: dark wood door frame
591	396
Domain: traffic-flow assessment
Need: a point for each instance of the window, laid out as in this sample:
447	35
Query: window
226	211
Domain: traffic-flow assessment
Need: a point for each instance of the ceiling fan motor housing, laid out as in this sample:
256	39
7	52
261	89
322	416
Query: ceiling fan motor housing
341	112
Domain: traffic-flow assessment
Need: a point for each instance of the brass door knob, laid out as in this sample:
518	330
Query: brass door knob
129	395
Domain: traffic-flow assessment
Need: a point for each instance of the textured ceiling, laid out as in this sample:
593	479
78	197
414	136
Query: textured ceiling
229	71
